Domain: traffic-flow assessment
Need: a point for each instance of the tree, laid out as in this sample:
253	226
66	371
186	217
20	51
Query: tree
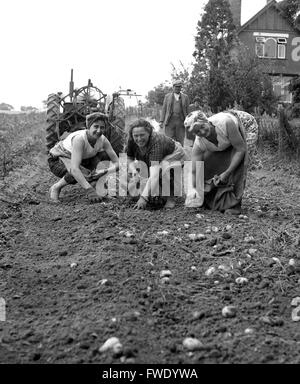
291	10
6	107
219	96
182	73
216	34
28	109
295	89
198	82
247	82
228	73
156	95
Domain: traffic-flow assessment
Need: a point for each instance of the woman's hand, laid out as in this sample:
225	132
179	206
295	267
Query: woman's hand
141	204
193	194
223	177
95	175
92	196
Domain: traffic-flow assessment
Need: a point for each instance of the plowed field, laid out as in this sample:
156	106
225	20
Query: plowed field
72	276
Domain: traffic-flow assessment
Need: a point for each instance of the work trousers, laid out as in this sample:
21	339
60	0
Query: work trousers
175	129
58	168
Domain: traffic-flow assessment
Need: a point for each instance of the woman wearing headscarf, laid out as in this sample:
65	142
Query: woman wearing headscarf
222	145
75	158
159	153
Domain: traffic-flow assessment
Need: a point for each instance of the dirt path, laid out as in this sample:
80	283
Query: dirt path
71	278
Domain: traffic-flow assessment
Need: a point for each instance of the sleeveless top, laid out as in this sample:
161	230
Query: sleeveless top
64	147
219	121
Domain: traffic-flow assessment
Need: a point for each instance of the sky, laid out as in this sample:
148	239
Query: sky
115	43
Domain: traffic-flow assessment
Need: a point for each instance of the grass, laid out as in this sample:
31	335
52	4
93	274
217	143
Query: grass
20	134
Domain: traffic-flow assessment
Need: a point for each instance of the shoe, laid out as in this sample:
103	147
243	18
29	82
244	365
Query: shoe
170	204
233	211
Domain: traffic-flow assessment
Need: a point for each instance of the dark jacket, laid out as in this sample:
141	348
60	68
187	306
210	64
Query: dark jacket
166	112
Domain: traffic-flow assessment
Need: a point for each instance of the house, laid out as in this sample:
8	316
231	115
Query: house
271	37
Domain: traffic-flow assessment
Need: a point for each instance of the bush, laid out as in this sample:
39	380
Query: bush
281	133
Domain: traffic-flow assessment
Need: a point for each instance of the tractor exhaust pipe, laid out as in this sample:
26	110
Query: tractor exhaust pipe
71	86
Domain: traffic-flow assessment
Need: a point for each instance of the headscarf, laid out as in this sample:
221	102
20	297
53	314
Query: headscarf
93	117
201	116
196	117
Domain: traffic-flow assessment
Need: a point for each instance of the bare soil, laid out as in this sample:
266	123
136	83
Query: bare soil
56	313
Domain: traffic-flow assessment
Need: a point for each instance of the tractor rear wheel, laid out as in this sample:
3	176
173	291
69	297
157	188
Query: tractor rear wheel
118	113
52	117
116	136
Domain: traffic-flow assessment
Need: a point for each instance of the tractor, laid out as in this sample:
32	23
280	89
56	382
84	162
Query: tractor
66	114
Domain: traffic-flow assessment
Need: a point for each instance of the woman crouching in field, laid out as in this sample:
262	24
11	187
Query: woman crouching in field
222	144
75	158
148	146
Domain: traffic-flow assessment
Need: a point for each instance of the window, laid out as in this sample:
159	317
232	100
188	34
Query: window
259	49
281	40
281	87
270	48
281	51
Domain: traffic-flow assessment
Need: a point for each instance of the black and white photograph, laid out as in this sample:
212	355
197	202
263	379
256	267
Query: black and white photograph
149	185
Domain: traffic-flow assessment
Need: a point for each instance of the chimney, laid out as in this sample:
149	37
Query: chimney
236	9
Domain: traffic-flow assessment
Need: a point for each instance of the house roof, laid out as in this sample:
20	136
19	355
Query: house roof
271	4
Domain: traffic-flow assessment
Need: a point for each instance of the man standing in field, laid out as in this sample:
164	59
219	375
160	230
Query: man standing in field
174	111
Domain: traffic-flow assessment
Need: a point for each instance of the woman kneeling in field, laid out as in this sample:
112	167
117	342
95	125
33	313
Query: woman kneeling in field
221	143
75	158
148	146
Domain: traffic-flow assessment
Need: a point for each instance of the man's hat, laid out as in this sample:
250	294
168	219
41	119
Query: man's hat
177	83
